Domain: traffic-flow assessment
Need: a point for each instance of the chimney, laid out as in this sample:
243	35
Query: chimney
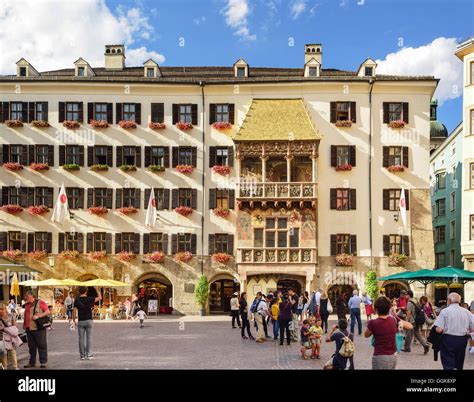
313	51
114	57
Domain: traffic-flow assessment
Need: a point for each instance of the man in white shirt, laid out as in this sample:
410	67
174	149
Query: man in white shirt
260	311
456	324
354	306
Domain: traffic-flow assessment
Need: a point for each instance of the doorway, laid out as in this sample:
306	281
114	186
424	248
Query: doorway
155	288
220	294
286	283
344	291
393	289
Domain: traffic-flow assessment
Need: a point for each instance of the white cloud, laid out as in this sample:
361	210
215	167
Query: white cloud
297	8
236	13
53	34
436	58
200	20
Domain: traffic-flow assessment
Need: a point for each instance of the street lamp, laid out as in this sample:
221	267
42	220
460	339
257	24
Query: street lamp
51	261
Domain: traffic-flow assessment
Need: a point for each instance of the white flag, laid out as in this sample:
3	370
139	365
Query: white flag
402	207
151	211
61	208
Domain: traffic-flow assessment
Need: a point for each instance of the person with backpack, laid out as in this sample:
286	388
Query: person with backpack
34	325
285	315
384	330
343	357
260	312
416	317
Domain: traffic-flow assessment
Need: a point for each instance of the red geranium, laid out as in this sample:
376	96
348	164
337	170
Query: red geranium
185	169
222	258
184	211
183	256
184	126
127	210
127	124
39	167
98	210
344	168
156	126
222	212
99	123
157	257
38	209
221	125
71	124
12	166
12	208
220	169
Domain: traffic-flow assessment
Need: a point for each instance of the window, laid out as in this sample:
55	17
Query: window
343	111
343	244
440	234
100	241
158	242
222	198
369	71
240	72
452	230
222	113
439	260
453	201
185	156
14	241
441	207
471	176
128	111
441	181
41	111
72	241
185	114
15	195
472	122
43	196
158	156
185	197
452	257
395	111
150	72
100	155
16	111
100	197
313	71
222	156
128	242
342	199
73	154
42	154
129	197
222	243
16	152
100	111
258	237
129	155
72	111
81	71
276	232
184	242
342	155
395	244
22	71
395	157
75	197
471	231
41	241
393	199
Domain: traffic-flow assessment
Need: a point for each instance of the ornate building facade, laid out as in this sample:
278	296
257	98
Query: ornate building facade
264	178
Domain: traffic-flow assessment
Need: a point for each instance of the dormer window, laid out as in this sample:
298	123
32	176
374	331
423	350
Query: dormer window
240	72
22	72
81	71
150	72
313	71
369	71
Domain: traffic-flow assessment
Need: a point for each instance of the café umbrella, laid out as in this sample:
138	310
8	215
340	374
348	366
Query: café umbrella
15	287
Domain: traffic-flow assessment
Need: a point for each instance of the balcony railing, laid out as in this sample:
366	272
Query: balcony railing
265	255
283	191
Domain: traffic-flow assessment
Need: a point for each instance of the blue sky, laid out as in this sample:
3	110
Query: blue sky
418	36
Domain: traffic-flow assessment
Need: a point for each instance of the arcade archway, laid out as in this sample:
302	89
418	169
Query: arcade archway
221	289
393	289
154	289
344	291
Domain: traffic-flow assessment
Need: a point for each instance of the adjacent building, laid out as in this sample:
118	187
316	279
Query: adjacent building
465	52
263	178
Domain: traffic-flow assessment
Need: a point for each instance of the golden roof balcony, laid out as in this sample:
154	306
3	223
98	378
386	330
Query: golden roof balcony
277	255
293	191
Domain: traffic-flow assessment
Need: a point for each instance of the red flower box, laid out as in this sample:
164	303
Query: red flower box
99	123
221	258
222	170
185	169
184	126
98	210
71	124
397	260
12	254
343	123
222	212
12	208
345	260
127	210
156	257
40	123
39	167
397	124
38	255
97	256
127	124
69	255
344	168
37	209
14	123
12	166
157	126
184	256
396	168
126	256
221	125
184	211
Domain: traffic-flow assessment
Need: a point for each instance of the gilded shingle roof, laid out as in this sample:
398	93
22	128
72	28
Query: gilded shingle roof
277	119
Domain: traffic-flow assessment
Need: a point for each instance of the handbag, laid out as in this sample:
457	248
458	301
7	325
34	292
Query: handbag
42	322
329	307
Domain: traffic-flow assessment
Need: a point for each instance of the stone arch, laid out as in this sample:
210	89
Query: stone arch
154	286
392	288
221	287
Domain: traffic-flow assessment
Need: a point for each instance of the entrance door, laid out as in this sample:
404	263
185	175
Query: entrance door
155	289
394	289
220	294
344	291
287	283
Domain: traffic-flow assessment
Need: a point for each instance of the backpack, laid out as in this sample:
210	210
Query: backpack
420	316
253	307
347	348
